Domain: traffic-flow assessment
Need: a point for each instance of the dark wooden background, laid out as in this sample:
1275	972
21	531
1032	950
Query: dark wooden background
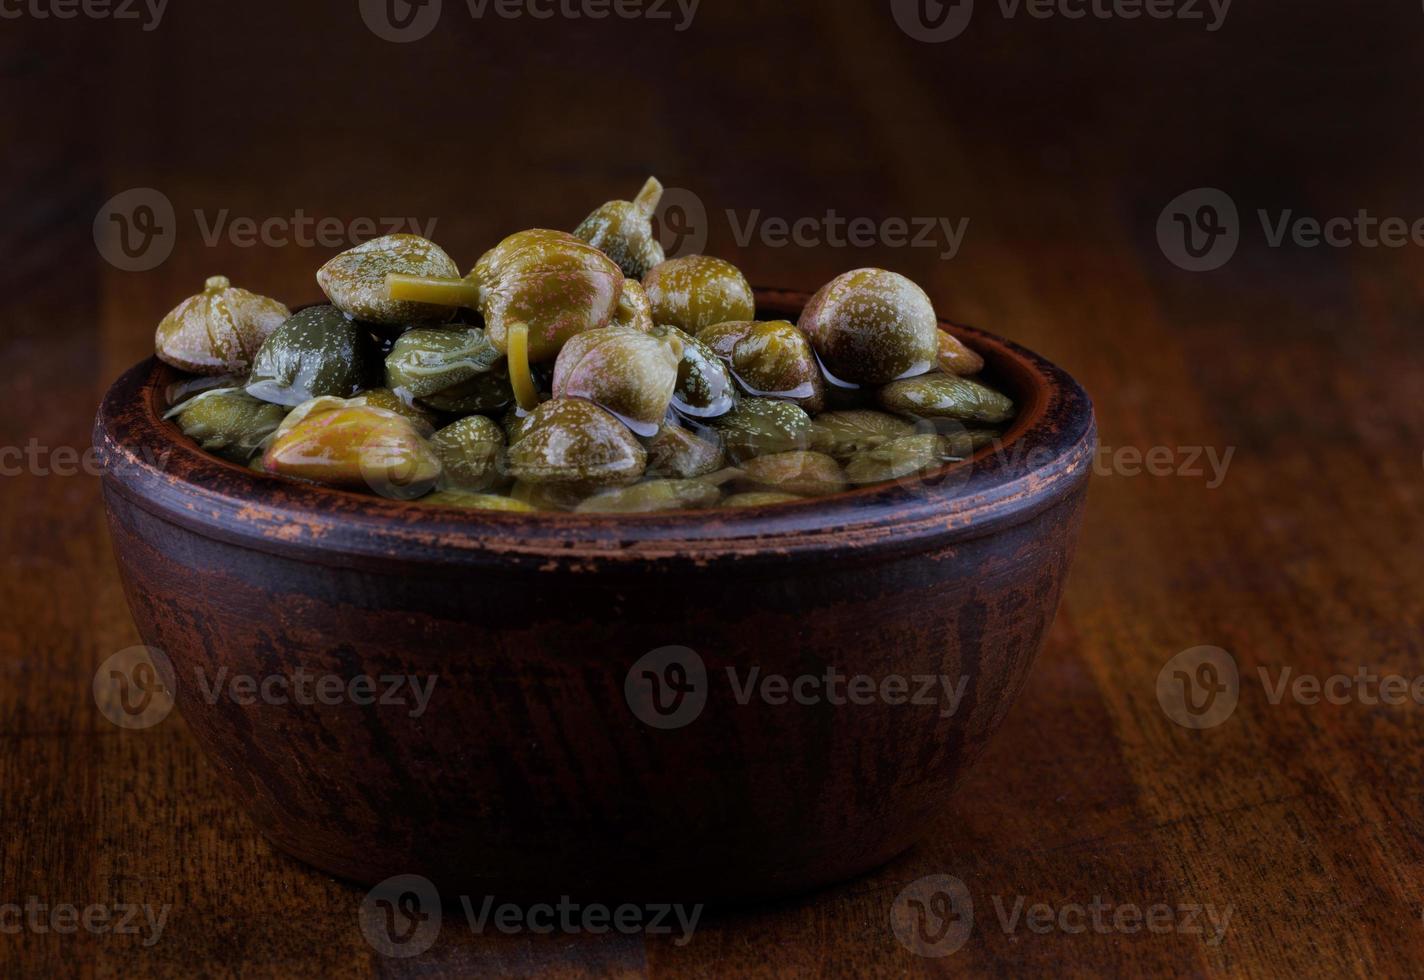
1062	141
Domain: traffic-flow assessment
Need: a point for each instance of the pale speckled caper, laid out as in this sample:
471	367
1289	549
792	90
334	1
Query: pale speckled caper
762	426
704	387
870	327
629	373
464	500
677	452
945	396
698	291
804	473
228	422
775	360
633	310
472	451
219	330
487	392
844	433
760	498
653	495
955	357
898	459
319	351
574	444
623	230
429	360
355	280
355	446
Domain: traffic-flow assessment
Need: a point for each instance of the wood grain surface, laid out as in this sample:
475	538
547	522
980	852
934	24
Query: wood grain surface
1297	825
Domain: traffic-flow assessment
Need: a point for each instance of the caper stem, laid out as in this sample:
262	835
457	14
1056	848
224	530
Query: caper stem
437	292
520	377
647	200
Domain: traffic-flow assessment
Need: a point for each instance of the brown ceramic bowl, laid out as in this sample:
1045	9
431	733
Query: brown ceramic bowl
532	771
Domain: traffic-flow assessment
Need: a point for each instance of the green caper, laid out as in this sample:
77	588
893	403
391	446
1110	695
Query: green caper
633	311
775	360
762	426
487	392
228	422
219	330
844	433
392	402
955	357
760	498
573	444
704	387
465	500
429	360
676	452
870	327
722	338
623	230
355	280
808	474
319	351
472	452
629	373
945	396
351	445
653	495
898	459
698	291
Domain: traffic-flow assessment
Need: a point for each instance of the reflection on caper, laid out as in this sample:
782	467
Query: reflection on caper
762	426
631	374
945	396
219	330
704	386
355	280
698	291
676	452
319	351
870	327
804	473
623	230
228	422
472	453
653	495
573	444
775	360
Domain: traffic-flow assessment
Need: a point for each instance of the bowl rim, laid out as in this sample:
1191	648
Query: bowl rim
1045	454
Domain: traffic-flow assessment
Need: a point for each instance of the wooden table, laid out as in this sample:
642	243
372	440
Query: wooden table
1062	141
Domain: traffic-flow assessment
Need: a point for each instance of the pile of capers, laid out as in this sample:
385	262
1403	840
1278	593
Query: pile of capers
576	372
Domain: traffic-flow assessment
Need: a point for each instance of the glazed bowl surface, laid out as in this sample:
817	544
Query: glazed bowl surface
712	706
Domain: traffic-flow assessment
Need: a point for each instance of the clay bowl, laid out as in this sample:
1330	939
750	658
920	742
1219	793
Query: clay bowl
555	757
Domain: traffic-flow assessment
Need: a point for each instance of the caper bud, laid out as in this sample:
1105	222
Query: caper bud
762	426
653	495
898	459
228	422
634	311
775	360
319	351
955	357
843	434
631	374
358	446
698	291
487	392
945	396
575	445
808	474
722	338
870	327
760	498
704	386
623	230
392	402
355	280
429	360
676	452
218	331
472	452
463	499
